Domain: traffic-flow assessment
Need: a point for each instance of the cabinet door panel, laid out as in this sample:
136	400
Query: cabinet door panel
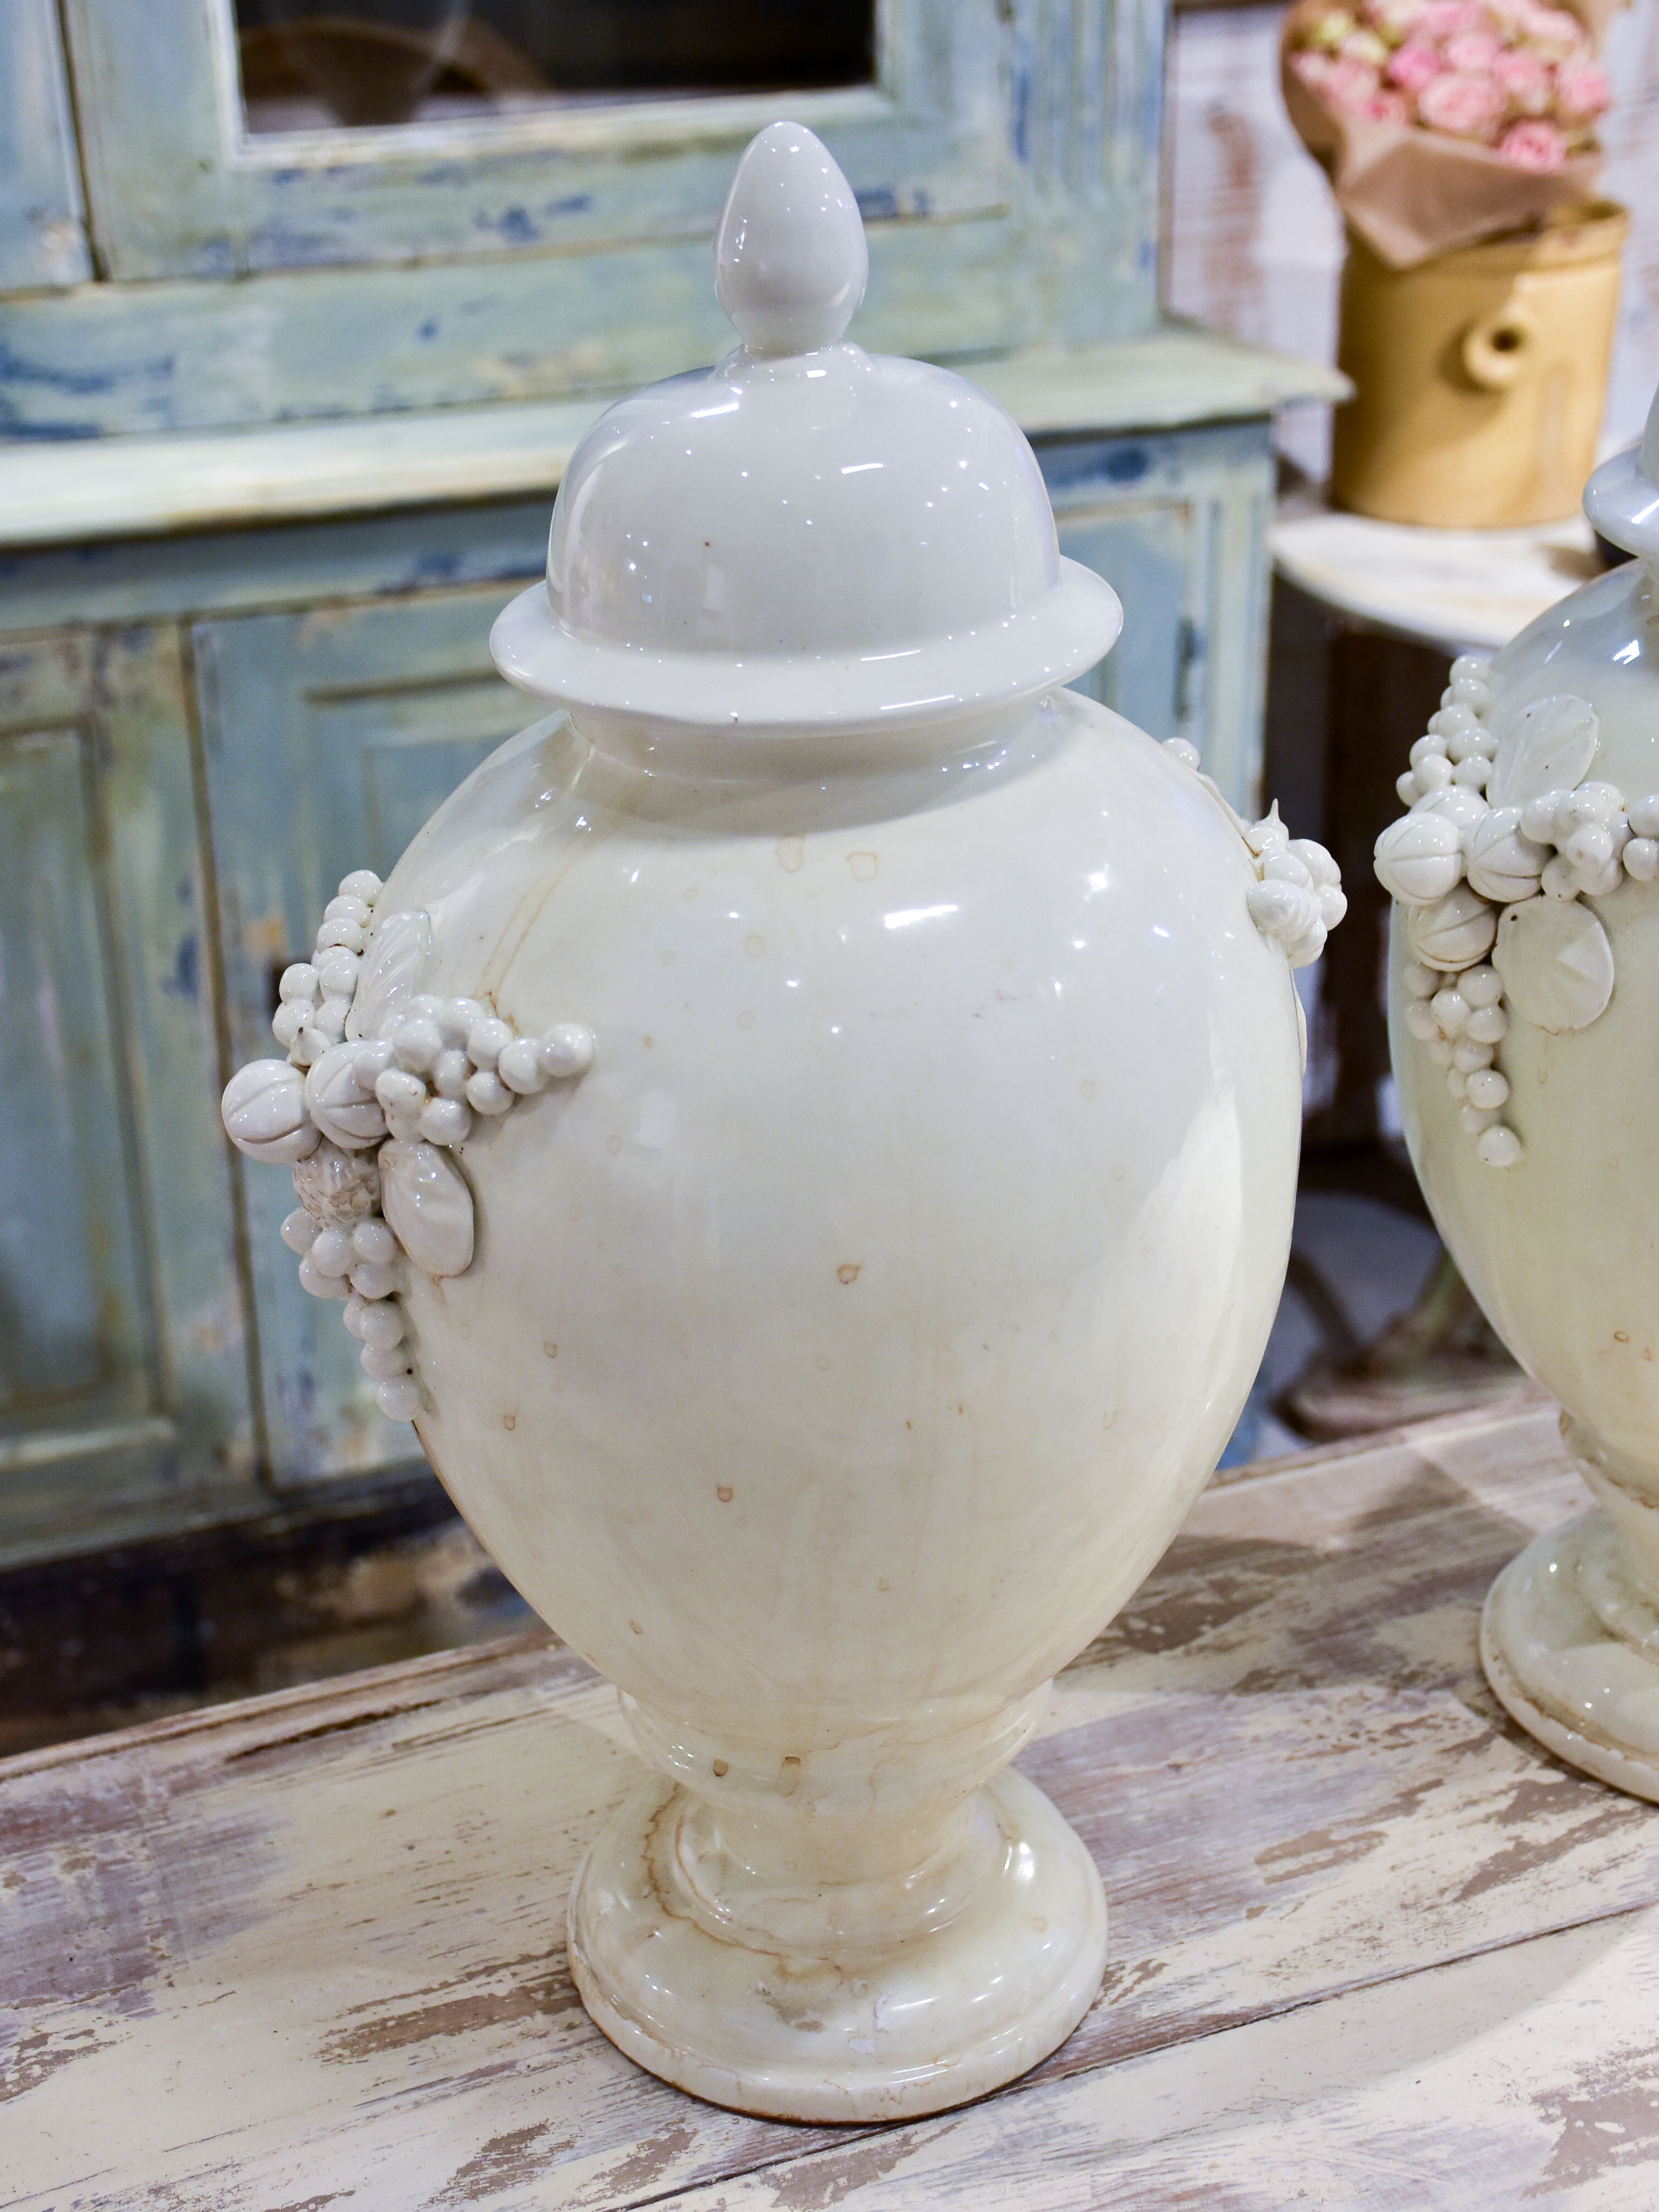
330	737
71	1336
123	1388
1146	553
43	237
1176	523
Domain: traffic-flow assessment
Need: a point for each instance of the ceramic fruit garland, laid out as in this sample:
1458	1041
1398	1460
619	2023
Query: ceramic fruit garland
1298	898
381	1088
1507	840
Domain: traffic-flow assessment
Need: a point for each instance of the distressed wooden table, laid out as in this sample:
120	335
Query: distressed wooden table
1369	1946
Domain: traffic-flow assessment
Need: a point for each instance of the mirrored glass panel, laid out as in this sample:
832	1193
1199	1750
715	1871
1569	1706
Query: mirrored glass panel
318	66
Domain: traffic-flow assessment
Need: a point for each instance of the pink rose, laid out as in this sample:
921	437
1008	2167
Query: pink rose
1412	67
1526	80
1464	106
1386	107
1552	32
1581	91
1471	52
1533	145
1444	19
1349	84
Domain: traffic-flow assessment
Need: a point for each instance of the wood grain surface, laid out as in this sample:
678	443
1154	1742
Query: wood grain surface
1369	1946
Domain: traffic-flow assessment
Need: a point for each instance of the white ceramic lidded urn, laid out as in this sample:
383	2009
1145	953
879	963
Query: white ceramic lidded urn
1524	1024
808	1131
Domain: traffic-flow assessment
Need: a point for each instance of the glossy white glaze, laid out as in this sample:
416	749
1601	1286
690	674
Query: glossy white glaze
790	258
796	542
1560	1037
929	2015
888	1220
929	1193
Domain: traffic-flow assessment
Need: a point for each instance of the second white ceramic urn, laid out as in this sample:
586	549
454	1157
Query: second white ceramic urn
808	1132
1524	1017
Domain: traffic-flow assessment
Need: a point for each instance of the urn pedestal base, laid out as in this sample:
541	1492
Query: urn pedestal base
850	2029
1571	1647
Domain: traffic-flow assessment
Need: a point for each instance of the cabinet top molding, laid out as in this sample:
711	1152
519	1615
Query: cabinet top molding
77	491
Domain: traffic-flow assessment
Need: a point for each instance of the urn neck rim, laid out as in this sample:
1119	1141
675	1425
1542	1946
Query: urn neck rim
975	738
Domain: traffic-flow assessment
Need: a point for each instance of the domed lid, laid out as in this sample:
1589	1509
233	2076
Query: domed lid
1622	498
805	535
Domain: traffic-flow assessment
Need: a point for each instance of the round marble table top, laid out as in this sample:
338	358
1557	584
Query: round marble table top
1454	588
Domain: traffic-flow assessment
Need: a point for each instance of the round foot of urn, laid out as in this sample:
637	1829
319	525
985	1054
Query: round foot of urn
872	2034
1571	1647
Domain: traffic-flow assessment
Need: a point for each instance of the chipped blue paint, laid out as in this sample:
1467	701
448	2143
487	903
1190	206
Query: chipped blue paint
428	330
185	980
513	226
43	432
1069	463
80	382
1020	65
215	258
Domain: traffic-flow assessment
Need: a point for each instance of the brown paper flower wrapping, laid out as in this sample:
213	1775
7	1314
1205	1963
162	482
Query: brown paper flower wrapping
1411	193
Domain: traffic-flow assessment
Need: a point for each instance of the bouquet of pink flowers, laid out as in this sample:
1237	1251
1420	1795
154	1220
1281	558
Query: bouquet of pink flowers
1445	121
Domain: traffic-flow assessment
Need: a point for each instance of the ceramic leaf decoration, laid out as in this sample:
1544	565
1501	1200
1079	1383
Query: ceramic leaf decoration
1547	746
830	1349
1555	962
402	947
1544	1050
428	1207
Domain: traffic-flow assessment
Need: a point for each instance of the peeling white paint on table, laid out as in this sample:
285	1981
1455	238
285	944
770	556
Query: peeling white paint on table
1369	1946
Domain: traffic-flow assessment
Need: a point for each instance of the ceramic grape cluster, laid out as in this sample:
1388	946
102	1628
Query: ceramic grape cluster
381	1084
1298	898
1505	840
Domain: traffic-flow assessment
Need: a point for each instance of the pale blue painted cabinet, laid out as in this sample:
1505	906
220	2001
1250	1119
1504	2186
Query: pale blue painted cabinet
253	532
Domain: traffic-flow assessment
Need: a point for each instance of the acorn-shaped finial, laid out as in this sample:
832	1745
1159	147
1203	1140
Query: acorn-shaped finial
790	259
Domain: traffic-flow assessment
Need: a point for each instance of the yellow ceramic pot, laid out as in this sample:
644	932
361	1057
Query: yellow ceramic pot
1479	375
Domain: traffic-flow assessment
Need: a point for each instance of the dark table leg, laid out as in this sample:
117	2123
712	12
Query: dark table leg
1345	705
